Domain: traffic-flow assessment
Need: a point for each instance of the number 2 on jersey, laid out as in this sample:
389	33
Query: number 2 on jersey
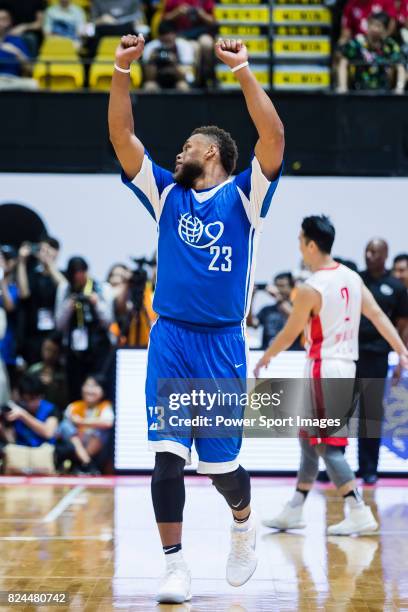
225	264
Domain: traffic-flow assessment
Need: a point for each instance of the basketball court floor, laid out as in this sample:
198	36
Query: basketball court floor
95	539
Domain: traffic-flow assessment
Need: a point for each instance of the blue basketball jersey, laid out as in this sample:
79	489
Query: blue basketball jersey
207	241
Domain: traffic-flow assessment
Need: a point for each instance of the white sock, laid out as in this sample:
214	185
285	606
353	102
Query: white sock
243	526
174	558
298	499
354	501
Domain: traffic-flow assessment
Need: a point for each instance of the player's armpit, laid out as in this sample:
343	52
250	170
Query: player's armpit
130	153
270	156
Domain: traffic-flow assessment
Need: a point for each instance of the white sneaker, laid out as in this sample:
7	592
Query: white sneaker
359	520
242	560
175	586
289	518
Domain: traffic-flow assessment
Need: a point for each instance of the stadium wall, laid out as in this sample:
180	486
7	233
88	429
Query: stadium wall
95	216
326	134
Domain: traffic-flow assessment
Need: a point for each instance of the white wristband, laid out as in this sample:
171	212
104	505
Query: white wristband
243	65
122	70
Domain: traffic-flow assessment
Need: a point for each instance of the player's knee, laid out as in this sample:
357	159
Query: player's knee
168	466
337	467
235	487
167	487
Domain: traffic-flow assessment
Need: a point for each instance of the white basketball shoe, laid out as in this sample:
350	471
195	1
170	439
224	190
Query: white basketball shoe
175	586
360	520
291	517
242	560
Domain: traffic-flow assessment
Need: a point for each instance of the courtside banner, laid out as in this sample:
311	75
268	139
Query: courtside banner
318	408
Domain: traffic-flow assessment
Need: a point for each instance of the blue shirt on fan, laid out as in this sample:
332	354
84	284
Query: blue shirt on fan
207	242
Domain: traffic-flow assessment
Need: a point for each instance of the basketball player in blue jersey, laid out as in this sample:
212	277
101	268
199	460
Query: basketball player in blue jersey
208	226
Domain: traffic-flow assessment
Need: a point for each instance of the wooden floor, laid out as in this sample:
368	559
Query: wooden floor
96	539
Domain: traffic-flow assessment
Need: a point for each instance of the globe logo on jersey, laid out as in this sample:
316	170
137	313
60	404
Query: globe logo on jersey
197	235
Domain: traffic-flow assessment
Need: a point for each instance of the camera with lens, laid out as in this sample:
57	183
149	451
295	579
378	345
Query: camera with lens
164	58
137	282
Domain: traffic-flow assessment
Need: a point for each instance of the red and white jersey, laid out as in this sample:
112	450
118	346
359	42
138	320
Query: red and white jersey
333	333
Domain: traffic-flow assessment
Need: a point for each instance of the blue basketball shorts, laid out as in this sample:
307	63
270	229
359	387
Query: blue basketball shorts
187	352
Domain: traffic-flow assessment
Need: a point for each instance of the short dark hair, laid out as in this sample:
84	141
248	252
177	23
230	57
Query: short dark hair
320	229
226	144
166	27
52	242
400	257
55	337
76	264
285	276
381	17
100	380
30	384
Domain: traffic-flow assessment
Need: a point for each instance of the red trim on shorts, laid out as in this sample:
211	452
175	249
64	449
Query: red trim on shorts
316	336
319	399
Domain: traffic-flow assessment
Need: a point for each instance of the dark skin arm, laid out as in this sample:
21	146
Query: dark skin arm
271	141
128	148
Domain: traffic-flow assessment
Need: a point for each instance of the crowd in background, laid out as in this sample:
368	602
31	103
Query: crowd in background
59	331
369	53
58	335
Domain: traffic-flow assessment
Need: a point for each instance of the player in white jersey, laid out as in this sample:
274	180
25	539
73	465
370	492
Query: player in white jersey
328	308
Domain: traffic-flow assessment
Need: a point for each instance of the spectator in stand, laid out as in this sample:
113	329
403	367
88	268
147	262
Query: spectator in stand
87	425
51	371
33	421
28	18
133	312
118	277
400	269
116	18
9	301
376	60
392	298
83	315
65	19
356	15
273	317
195	21
38	278
168	61
14	56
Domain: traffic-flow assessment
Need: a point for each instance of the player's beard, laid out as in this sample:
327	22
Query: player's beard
188	174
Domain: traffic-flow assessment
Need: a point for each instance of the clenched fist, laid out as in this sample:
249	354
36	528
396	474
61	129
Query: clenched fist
130	49
231	52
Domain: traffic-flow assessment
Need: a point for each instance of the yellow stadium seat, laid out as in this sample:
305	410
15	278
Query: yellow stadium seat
58	66
156	19
100	74
85	4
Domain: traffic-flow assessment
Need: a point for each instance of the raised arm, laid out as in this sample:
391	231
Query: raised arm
307	301
128	148
271	143
383	325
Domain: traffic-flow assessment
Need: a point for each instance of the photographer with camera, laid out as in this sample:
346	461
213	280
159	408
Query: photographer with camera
9	301
83	314
133	310
38	279
28	427
194	20
168	61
